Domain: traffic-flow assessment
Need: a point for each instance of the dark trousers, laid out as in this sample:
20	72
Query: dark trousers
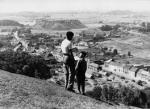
81	83
69	70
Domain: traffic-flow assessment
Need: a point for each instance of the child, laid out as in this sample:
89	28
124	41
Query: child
80	69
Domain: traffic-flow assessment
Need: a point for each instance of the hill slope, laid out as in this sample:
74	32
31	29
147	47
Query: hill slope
10	23
59	24
18	91
120	12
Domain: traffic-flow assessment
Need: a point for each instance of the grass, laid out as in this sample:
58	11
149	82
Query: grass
21	92
138	45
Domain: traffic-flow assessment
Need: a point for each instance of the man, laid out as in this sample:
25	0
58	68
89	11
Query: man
68	59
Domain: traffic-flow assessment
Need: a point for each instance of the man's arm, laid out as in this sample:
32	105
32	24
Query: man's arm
77	65
72	49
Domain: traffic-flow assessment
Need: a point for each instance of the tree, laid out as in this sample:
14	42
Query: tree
115	51
121	94
1	44
143	24
106	28
116	27
129	53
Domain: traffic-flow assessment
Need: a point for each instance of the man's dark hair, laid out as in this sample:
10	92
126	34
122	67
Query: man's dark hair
69	35
83	54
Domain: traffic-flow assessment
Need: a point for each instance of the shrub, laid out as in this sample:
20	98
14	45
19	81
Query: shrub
108	74
104	93
24	63
95	93
140	99
139	82
127	95
113	94
109	93
122	94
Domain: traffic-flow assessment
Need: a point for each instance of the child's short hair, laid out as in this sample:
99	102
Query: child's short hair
83	54
69	35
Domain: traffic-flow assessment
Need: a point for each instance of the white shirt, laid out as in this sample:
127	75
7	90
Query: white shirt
66	45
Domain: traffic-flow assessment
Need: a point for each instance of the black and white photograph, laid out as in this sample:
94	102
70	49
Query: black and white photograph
74	54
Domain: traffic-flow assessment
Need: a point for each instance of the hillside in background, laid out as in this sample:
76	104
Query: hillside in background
59	24
20	92
10	23
120	12
84	17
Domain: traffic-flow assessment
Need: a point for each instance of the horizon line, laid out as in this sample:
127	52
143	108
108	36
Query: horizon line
69	11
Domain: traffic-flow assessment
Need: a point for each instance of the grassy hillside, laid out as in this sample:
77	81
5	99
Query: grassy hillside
21	92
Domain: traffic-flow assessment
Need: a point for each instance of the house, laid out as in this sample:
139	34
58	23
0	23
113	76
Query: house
81	47
92	68
120	69
83	43
4	33
113	67
143	75
146	25
130	71
127	71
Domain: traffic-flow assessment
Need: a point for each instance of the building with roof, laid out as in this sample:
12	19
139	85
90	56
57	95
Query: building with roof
120	69
92	68
127	71
143	75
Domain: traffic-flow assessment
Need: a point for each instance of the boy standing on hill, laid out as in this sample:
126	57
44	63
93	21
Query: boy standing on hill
80	69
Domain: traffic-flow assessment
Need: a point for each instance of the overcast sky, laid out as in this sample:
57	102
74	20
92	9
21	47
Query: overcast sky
73	5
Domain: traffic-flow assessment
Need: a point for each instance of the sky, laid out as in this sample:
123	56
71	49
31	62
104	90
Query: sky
8	6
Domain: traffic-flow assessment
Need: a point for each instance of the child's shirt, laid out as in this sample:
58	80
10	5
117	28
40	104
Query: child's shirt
81	67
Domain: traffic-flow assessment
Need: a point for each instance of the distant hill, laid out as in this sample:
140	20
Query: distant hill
10	23
59	24
120	12
21	92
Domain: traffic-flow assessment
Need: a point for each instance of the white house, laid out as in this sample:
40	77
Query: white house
92	68
143	75
120	69
127	71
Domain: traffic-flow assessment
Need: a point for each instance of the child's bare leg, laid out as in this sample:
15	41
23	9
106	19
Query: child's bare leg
66	71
